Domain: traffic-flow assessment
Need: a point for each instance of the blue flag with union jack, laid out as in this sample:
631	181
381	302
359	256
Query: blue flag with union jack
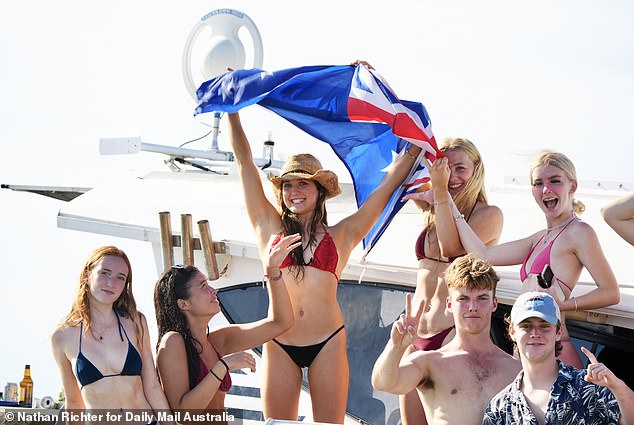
352	108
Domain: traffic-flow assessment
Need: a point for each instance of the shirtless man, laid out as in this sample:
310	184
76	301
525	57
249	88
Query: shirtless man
456	382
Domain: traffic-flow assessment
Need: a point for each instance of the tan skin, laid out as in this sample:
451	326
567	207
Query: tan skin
441	242
108	353
230	341
619	214
577	247
314	298
456	382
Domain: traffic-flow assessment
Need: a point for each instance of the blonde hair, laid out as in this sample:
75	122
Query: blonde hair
473	190
561	161
124	305
471	272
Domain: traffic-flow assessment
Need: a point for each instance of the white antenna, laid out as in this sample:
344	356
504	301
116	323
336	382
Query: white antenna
219	49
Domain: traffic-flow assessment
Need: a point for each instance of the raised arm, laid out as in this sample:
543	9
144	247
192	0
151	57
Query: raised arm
280	318
619	214
599	374
264	217
486	221
456	236
506	254
358	224
392	373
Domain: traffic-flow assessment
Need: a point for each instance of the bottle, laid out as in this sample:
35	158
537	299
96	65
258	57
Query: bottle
26	388
267	149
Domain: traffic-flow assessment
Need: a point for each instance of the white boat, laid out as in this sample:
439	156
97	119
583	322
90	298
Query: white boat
371	290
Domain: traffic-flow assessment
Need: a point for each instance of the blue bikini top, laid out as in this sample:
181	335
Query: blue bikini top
87	373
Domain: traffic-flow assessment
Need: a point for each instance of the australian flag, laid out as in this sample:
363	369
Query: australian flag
349	107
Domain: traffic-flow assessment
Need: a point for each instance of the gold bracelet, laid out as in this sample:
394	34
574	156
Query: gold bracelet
410	155
576	306
440	203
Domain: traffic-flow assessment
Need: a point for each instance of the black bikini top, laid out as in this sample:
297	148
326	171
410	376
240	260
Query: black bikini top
87	373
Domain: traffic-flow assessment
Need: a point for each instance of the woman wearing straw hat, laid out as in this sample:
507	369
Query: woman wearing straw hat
311	272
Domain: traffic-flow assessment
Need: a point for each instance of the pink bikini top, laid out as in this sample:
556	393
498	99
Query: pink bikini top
325	256
542	258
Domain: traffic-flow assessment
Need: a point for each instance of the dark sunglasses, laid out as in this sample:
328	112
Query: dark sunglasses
177	267
545	278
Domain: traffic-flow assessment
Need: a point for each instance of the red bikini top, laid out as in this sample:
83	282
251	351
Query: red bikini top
325	256
419	248
225	384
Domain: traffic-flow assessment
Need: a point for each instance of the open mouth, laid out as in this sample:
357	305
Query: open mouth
551	202
455	186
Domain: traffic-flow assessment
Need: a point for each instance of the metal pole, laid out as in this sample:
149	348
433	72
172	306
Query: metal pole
208	249
187	239
167	248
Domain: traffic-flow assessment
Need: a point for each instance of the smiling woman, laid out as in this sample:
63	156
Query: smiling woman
185	303
311	273
438	245
565	247
107	341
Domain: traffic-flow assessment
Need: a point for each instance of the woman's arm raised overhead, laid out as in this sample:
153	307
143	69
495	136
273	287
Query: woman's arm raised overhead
263	215
619	214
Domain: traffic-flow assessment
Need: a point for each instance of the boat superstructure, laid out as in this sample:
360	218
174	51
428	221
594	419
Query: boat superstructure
371	290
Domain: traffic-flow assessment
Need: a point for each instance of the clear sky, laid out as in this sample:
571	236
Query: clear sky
513	77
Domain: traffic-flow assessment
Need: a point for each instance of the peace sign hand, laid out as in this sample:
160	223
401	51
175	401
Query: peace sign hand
598	373
282	249
405	328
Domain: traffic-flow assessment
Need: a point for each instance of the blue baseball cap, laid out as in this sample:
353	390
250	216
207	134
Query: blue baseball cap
535	304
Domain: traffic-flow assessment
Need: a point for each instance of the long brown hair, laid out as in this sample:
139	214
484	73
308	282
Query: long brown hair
172	285
124	305
473	191
291	225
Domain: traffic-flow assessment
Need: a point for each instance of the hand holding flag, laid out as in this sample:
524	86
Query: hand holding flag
349	107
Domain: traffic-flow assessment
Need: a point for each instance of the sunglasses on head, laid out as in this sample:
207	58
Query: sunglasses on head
545	278
177	267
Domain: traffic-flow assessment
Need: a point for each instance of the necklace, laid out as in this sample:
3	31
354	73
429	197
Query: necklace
103	331
550	229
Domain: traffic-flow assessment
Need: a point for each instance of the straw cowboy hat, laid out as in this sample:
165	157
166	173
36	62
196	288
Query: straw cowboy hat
306	166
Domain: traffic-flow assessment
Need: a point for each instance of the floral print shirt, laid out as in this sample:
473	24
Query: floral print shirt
572	401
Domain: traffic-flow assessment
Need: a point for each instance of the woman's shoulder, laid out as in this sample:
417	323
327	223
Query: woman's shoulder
130	320
487	209
580	230
486	213
172	340
63	334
